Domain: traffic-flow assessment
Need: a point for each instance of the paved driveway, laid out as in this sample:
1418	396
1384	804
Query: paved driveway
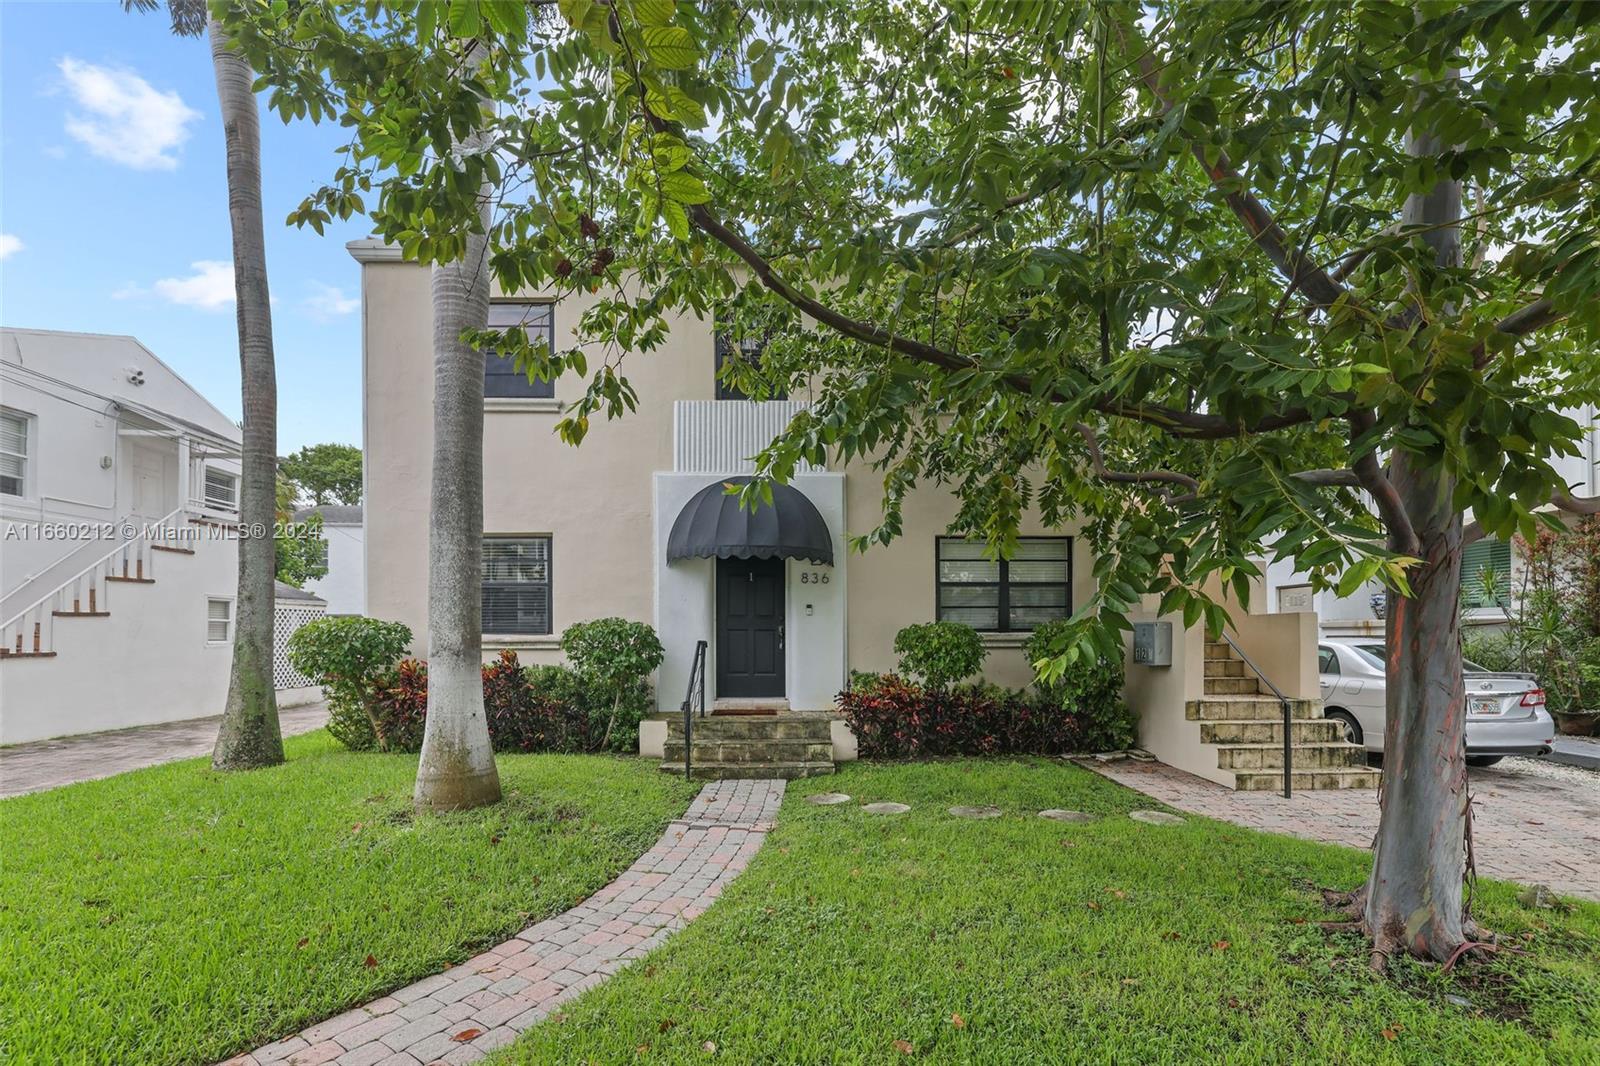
1531	822
51	763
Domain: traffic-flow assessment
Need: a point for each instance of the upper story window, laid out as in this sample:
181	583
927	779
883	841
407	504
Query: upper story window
516	585
748	351
1493	556
222	489
501	378
1011	595
13	453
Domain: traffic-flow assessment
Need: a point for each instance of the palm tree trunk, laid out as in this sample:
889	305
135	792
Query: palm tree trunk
457	769
249	736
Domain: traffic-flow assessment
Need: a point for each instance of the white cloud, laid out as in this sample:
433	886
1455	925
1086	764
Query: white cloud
329	302
124	118
10	244
210	287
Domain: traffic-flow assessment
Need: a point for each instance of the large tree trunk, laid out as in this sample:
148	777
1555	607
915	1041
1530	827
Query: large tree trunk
249	736
1414	896
1413	900
457	768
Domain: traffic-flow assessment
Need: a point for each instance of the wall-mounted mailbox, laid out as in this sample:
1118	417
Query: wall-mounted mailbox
1152	643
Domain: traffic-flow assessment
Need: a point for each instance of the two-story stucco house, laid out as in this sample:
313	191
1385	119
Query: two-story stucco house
119	484
636	522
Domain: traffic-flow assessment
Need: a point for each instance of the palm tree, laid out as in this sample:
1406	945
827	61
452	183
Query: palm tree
457	769
249	736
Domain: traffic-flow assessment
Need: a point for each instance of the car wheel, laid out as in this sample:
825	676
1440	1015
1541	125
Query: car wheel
1349	725
1483	760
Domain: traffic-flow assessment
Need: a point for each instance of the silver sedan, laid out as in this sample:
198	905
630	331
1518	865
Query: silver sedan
1505	712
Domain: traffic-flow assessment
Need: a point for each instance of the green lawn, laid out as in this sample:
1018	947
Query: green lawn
175	915
855	938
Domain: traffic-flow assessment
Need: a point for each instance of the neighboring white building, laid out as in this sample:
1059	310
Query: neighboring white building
1355	615
345	586
119	489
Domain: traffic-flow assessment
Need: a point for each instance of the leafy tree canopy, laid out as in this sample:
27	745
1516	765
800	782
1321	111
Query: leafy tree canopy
1158	269
324	473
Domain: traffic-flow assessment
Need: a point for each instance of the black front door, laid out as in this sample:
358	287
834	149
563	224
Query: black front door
749	627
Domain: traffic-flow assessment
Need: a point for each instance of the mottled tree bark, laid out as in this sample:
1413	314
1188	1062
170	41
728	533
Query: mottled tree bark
457	768
1413	899
249	736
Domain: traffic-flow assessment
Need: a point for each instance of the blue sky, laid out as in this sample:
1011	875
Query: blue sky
113	212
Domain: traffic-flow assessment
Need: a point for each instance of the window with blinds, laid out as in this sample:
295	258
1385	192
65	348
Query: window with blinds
222	489
516	585
728	351
219	621
13	453
1493	556
1032	587
501	378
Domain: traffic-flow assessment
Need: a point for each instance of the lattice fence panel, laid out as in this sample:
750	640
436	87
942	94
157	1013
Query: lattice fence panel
288	618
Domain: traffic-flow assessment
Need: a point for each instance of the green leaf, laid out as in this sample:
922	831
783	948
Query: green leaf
464	18
670	46
683	187
654	12
677	219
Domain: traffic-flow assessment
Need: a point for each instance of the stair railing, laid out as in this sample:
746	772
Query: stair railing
695	696
31	631
1283	703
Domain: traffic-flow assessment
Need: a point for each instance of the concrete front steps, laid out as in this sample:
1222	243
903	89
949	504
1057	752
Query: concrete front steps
784	745
1245	723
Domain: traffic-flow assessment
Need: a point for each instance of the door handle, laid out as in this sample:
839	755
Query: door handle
780	637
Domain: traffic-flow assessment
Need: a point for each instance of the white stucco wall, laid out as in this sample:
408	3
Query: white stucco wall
814	611
147	661
345	586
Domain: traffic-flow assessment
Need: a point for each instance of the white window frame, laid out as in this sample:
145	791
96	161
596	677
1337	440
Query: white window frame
228	622
27	454
205	489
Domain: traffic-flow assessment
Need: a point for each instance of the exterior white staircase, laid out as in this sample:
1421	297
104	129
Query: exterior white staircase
30	633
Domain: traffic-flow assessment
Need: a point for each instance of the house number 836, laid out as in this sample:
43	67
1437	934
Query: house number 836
813	577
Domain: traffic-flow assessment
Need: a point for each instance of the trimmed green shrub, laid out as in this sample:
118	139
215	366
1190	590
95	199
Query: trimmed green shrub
1090	688
614	658
939	653
346	656
895	719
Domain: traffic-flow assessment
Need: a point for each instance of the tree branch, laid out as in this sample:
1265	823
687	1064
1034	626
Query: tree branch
1561	501
1163	477
1346	478
1402	534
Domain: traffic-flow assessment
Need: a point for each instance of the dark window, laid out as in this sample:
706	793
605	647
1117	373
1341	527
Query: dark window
1327	661
747	351
1486	554
501	378
516	585
1034	586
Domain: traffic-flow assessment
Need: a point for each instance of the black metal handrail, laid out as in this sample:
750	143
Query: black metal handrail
1283	702
697	688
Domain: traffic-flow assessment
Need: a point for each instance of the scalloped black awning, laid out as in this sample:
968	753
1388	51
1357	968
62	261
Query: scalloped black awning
713	525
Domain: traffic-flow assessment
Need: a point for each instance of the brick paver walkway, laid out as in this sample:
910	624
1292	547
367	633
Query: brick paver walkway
1528	829
460	1015
44	764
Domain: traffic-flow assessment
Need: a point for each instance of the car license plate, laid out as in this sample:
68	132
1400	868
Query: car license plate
1482	705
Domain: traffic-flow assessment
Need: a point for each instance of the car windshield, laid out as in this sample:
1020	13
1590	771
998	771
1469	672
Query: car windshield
1373	654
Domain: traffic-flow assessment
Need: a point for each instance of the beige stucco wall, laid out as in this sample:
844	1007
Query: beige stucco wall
892	586
594	500
1159	695
1283	646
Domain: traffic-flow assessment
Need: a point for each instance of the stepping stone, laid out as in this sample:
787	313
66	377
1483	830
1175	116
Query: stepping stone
885	808
975	812
1056	814
1155	817
828	799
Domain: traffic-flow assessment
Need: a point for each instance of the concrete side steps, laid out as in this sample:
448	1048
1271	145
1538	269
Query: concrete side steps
779	728
1254	708
1232	686
1306	781
1257	731
751	751
788	771
1225	667
1330	755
